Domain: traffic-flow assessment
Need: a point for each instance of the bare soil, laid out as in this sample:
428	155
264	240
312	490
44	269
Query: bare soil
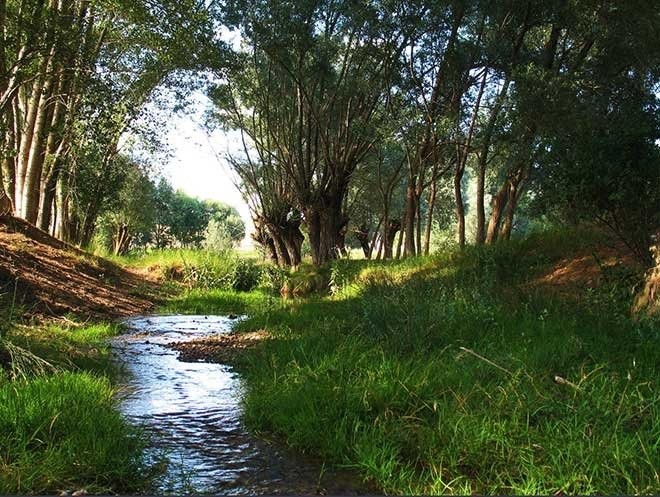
50	278
572	275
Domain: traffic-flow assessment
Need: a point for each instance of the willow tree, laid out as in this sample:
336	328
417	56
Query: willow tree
313	77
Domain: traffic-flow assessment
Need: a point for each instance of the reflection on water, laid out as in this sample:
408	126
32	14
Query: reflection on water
192	412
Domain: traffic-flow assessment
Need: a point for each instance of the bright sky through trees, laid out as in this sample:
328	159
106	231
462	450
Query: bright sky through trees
197	164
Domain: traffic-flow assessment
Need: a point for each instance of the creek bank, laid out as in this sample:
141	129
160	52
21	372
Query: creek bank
192	413
219	348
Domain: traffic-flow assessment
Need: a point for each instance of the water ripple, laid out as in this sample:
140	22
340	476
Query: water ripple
193	413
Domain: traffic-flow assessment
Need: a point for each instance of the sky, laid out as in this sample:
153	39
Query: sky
197	161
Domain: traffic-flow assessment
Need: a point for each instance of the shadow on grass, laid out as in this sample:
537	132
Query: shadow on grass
438	376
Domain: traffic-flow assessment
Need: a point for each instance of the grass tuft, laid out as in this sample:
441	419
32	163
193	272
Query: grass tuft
62	432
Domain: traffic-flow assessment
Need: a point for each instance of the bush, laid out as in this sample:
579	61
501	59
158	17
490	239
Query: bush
247	275
224	272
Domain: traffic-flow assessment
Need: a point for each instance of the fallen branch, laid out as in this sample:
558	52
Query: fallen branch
563	381
488	361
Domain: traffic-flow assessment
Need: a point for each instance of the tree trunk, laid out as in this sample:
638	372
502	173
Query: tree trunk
122	240
498	205
409	223
399	244
31	107
483	160
515	191
507	225
433	193
362	236
283	259
325	224
391	229
49	191
460	206
292	238
31	188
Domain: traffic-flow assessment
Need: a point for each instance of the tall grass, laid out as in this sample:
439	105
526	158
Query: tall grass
440	375
60	429
199	268
62	432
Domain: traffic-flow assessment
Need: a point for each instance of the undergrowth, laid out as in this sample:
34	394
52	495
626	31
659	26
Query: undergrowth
199	268
60	429
441	375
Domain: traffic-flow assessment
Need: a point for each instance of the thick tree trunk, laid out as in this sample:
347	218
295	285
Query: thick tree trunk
326	225
498	205
292	238
283	259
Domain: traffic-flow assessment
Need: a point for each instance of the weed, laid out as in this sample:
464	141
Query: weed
62	432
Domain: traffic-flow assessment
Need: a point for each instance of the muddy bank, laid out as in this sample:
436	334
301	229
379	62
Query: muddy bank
220	348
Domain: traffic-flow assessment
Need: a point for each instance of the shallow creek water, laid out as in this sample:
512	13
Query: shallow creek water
192	413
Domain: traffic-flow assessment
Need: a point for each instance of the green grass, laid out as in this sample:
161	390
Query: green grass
72	345
199	268
62	432
218	301
437	375
60	429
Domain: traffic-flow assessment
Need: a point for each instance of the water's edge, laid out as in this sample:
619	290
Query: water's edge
192	413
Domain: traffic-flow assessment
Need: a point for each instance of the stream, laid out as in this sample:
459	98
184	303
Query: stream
192	414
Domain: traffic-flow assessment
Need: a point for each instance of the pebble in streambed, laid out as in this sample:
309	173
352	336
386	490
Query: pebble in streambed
192	412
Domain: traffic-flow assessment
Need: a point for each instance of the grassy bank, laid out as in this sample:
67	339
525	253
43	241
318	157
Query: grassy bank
459	373
60	429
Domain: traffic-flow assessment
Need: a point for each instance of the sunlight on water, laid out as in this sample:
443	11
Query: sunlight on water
192	412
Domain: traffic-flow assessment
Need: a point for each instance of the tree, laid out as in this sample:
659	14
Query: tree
307	96
129	220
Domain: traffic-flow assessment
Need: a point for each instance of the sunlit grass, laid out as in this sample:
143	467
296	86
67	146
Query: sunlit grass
218	301
70	345
439	375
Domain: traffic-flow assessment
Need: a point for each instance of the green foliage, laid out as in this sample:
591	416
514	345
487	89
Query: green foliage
272	278
438	375
200	268
218	301
306	280
63	432
217	237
